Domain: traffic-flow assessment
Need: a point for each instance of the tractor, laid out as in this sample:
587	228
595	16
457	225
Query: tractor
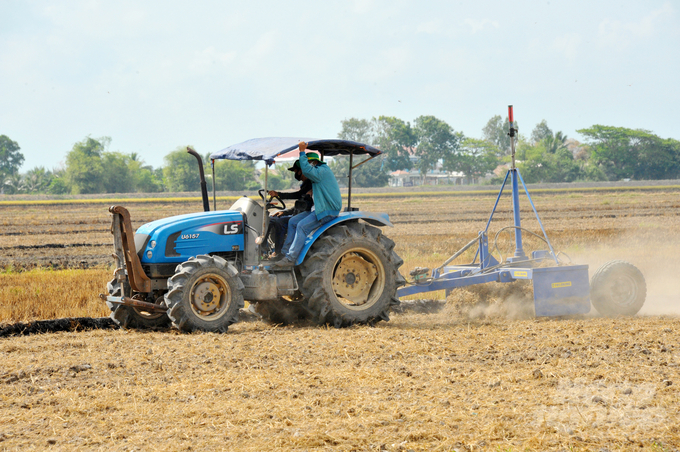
195	271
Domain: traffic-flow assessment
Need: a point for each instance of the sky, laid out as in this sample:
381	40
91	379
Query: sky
156	75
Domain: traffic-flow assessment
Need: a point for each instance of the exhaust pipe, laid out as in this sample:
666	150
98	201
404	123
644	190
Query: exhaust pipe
204	188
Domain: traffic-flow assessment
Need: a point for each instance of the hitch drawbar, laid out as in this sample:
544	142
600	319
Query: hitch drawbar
127	301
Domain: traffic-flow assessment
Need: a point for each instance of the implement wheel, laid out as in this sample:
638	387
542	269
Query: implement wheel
205	293
351	275
618	288
131	317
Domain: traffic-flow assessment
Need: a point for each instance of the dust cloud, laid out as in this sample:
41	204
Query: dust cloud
658	258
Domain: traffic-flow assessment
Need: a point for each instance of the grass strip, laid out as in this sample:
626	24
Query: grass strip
49	294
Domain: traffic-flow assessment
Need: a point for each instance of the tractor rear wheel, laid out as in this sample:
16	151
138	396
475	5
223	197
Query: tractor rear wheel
351	275
205	293
618	288
130	317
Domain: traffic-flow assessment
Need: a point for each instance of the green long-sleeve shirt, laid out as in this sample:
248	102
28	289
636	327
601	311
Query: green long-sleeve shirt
326	192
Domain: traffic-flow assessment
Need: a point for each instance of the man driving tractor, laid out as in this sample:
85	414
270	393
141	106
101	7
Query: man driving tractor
279	220
327	205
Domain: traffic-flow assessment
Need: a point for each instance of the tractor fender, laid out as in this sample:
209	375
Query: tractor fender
376	219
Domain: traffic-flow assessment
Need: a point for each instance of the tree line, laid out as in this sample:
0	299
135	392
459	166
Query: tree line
91	168
607	153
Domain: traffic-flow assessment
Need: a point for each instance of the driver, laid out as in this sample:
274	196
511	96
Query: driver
279	220
327	205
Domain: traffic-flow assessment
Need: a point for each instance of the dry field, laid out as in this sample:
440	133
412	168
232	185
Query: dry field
478	375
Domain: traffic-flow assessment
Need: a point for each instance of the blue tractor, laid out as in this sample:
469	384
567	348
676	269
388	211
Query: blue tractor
196	270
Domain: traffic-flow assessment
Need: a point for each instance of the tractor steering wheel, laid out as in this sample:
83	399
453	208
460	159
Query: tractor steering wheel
268	200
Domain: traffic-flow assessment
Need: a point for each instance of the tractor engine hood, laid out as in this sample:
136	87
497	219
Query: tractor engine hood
175	239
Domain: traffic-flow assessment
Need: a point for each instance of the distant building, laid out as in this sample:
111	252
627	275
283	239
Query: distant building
413	178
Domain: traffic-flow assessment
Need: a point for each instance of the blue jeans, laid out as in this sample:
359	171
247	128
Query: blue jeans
292	228
300	229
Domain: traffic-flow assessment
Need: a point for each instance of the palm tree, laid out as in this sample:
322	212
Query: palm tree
555	143
37	180
14	183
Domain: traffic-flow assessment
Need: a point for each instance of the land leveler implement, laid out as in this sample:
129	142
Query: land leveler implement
617	288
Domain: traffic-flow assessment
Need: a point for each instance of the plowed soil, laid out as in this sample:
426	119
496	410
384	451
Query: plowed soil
480	374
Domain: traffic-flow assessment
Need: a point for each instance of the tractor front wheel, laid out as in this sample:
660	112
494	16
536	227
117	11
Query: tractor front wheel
131	317
618	288
351	275
205	293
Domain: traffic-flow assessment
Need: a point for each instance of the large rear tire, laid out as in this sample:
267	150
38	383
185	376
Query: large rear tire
351	275
618	288
130	317
205	293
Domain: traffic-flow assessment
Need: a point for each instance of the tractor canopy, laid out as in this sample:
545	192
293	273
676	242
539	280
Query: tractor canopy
268	149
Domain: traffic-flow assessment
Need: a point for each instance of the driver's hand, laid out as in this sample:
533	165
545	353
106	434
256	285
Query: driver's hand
277	214
273	193
302	145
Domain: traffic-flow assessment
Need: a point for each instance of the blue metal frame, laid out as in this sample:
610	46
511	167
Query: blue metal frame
560	290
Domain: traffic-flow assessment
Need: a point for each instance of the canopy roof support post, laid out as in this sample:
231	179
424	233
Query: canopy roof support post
265	214
212	163
349	183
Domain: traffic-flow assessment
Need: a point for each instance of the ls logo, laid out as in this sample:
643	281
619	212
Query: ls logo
231	228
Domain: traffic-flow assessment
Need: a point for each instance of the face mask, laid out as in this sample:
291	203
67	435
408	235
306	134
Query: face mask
298	176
